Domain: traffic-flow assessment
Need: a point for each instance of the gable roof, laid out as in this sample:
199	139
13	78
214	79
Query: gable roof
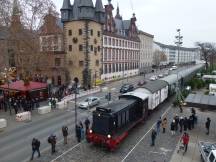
154	86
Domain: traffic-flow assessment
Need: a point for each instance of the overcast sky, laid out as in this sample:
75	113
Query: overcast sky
195	18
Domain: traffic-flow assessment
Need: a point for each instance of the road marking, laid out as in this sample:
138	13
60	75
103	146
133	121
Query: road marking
143	137
66	152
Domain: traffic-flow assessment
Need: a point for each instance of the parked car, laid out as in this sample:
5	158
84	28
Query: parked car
174	67
141	82
160	75
153	78
89	102
126	88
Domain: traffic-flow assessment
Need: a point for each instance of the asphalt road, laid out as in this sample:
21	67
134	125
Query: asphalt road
15	144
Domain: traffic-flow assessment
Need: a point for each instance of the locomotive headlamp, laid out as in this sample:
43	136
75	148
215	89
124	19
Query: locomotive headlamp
99	114
90	131
109	136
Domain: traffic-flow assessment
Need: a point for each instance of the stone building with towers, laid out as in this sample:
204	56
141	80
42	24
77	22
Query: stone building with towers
121	46
83	22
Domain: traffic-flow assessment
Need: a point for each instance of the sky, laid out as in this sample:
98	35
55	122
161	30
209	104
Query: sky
161	18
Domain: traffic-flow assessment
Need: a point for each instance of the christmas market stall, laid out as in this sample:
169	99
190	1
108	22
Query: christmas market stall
28	90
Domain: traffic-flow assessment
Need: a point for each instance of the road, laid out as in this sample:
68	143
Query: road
16	143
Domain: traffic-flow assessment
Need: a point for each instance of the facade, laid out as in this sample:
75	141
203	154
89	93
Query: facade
186	55
146	52
83	39
52	49
121	46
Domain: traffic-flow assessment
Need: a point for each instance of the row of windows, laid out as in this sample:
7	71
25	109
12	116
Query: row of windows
121	56
81	63
91	48
80	31
112	68
120	43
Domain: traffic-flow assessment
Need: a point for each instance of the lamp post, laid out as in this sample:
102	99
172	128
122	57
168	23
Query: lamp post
76	81
49	82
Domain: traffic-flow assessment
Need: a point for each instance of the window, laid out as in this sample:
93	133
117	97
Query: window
97	62
92	48
91	32
70	48
69	32
80	31
80	47
81	63
98	48
57	62
98	33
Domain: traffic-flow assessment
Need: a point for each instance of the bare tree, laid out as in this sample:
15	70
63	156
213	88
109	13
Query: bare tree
208	50
5	12
158	57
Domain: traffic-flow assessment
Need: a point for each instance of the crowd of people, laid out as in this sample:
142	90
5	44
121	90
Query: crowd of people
181	124
19	104
52	139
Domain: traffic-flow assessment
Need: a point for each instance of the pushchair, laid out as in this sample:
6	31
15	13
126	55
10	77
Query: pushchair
181	147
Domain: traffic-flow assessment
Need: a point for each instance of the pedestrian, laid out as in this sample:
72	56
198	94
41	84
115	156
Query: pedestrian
81	125
176	118
153	137
207	124
82	133
181	122
52	141
191	118
172	127
180	108
158	125
78	133
185	124
65	133
15	107
164	124
87	123
185	139
35	147
193	111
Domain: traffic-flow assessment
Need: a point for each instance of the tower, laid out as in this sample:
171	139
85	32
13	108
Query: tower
65	11
100	12
118	16
86	9
16	24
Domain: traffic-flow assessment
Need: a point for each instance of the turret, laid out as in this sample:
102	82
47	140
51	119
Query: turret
118	16
86	9
100	11
66	11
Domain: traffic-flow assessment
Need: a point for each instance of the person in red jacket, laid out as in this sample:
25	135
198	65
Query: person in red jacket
185	140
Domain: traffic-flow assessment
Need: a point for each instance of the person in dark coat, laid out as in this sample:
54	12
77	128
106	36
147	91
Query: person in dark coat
65	133
189	123
207	124
15	107
172	127
181	122
158	124
35	147
191	118
153	137
78	133
185	124
176	122
52	141
87	123
81	125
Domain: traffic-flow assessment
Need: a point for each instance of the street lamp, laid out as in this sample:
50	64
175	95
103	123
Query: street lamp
76	81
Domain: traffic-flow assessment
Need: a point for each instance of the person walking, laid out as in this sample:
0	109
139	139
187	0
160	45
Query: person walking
181	122
185	141
65	133
158	125
87	123
164	124
153	137
191	118
207	124
78	133
172	127
35	147
176	118
52	141
185	124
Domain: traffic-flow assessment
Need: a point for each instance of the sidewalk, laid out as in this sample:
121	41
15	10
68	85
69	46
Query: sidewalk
196	135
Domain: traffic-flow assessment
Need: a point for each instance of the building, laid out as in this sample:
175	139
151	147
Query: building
186	55
83	39
121	46
146	52
52	51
